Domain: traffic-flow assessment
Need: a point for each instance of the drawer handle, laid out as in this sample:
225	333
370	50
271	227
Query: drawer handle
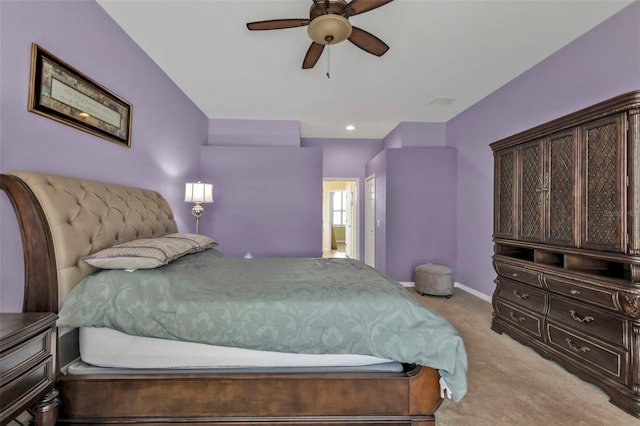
515	318
520	295
575	348
586	319
515	275
574	292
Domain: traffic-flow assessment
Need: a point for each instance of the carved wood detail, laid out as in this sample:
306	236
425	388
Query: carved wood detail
630	303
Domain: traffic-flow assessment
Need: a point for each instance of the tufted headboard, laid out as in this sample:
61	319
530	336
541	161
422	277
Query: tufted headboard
62	219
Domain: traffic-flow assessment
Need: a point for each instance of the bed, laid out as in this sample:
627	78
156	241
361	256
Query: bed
65	220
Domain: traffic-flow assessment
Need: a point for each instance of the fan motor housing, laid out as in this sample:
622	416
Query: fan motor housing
335	6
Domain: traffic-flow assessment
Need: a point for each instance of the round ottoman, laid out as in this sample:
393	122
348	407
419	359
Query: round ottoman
434	280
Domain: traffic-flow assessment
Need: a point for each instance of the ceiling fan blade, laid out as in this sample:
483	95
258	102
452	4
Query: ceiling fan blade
368	42
355	7
312	56
277	24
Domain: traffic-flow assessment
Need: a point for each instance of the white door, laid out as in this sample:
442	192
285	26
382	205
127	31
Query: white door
370	221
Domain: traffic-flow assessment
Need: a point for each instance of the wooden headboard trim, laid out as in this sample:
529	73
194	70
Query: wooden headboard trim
41	276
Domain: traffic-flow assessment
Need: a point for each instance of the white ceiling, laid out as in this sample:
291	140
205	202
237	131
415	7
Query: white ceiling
438	49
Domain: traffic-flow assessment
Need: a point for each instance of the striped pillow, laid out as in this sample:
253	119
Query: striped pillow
149	253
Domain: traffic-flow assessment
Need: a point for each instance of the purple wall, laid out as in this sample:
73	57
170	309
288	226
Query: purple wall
414	134
416	207
267	200
602	63
346	159
415	199
254	132
421	209
377	166
167	127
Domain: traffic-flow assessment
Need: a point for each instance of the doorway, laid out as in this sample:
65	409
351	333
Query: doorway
340	220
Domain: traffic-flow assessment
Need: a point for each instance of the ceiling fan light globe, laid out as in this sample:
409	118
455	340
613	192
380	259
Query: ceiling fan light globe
329	29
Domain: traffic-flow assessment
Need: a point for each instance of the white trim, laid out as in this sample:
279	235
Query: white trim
369	253
472	291
407	283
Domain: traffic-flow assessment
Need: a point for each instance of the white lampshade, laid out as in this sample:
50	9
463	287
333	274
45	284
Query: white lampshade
198	192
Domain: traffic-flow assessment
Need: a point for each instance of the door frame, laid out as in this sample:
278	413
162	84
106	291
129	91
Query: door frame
370	222
326	219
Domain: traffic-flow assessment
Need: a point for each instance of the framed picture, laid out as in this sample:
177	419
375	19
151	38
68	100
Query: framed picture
64	94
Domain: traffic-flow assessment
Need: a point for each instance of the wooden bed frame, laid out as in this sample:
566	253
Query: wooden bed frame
46	205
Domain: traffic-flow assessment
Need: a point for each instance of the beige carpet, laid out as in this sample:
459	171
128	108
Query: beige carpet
510	384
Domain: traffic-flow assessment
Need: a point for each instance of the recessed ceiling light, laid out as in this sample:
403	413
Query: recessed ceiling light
350	127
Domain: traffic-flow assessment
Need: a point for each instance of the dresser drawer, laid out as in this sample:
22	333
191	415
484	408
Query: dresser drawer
27	365
522	294
520	318
590	320
595	295
28	386
519	274
24	356
589	353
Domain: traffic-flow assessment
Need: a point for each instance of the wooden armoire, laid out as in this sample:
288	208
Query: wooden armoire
567	243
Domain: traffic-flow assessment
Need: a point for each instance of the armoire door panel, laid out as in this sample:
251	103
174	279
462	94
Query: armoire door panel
505	181
561	199
633	185
532	191
604	186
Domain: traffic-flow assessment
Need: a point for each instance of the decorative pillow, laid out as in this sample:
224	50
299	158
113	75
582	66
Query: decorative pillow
149	253
203	242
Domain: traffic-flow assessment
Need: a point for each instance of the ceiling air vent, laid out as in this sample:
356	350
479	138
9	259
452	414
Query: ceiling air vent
442	102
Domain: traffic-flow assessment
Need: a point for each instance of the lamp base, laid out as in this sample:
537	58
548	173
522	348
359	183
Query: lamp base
197	212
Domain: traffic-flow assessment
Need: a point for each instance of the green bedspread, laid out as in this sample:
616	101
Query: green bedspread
298	305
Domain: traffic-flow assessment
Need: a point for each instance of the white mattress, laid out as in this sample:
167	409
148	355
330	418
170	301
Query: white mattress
104	347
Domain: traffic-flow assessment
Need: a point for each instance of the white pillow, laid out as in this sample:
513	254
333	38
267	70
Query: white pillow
149	253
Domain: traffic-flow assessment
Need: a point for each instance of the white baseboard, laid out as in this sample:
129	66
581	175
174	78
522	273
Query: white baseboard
456	284
472	291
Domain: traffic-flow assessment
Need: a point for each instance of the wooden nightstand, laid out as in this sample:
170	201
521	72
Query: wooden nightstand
27	366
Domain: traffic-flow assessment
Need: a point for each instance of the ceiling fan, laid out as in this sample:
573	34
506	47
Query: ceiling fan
328	24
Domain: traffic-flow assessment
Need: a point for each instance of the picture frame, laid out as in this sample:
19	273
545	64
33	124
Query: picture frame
62	93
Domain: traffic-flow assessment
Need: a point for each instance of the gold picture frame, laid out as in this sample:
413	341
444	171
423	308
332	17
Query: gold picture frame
64	94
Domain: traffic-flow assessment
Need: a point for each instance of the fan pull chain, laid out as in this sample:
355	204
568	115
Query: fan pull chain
328	60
